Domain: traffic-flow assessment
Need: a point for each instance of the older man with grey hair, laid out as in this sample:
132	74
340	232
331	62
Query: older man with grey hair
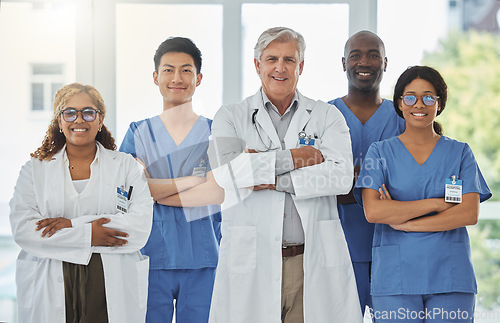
282	158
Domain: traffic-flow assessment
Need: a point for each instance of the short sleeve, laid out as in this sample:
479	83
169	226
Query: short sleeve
472	178
372	172
128	143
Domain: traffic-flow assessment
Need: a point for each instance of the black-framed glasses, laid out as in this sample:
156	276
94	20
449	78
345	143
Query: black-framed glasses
410	99
71	114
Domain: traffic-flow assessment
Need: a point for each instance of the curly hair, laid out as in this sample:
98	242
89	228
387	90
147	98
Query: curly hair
54	140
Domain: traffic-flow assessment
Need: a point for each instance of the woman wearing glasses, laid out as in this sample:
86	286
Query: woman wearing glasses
421	189
78	224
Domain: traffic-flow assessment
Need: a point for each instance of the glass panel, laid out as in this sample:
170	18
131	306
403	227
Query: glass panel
45	69
325	36
405	45
37	96
53	90
146	26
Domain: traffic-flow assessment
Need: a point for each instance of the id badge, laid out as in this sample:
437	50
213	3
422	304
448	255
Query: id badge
121	200
453	191
201	170
306	141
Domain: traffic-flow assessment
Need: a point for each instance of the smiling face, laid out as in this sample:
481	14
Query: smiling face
279	68
364	62
419	115
177	79
80	133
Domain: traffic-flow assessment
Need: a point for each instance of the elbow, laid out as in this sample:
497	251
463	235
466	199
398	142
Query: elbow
370	217
218	195
473	218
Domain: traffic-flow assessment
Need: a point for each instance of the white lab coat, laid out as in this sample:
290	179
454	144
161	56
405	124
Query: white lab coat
248	279
40	193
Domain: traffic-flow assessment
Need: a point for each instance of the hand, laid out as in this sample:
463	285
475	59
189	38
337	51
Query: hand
143	165
250	151
401	227
102	236
52	225
306	156
384	193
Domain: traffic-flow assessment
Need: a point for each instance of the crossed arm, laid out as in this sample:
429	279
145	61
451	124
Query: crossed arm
301	157
407	215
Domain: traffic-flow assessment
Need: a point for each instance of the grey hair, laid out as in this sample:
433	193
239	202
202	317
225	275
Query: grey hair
282	34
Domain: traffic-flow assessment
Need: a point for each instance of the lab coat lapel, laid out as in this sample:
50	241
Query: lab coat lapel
300	119
55	185
265	125
108	171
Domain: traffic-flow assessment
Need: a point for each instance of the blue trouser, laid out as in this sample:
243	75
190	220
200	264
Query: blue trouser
362	274
446	307
192	290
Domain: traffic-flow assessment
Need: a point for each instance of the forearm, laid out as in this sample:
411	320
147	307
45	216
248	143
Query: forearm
207	193
162	188
389	211
458	216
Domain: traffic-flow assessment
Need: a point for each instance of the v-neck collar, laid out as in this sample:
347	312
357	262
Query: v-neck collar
380	107
185	139
413	158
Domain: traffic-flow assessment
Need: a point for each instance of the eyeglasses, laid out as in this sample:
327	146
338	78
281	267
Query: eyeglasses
410	99
88	114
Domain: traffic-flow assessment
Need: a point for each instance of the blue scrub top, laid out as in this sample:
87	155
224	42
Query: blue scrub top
383	124
420	262
181	238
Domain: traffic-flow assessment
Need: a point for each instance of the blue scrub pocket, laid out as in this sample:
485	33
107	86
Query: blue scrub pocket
463	277
155	248
386	271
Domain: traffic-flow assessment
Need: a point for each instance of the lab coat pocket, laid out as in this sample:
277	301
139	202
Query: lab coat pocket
335	252
242	249
142	281
386	270
462	271
25	281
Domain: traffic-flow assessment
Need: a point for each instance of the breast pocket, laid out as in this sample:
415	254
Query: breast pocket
242	249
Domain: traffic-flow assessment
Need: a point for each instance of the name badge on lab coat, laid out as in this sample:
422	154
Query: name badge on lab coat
453	192
121	200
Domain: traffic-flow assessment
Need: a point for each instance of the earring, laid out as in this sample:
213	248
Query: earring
100	129
60	130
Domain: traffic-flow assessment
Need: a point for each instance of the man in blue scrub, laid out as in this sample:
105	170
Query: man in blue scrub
184	241
370	118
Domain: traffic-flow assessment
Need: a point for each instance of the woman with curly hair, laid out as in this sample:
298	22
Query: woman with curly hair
78	224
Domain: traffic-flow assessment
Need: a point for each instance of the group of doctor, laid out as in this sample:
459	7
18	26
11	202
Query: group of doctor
114	237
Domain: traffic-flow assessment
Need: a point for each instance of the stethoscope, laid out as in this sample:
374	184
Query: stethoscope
302	134
268	146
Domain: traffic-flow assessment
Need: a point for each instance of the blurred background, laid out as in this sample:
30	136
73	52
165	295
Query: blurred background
110	44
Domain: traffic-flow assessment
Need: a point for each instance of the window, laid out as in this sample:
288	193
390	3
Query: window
46	80
146	26
325	36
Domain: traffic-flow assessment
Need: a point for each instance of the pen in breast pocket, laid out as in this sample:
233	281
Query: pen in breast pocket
130	192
